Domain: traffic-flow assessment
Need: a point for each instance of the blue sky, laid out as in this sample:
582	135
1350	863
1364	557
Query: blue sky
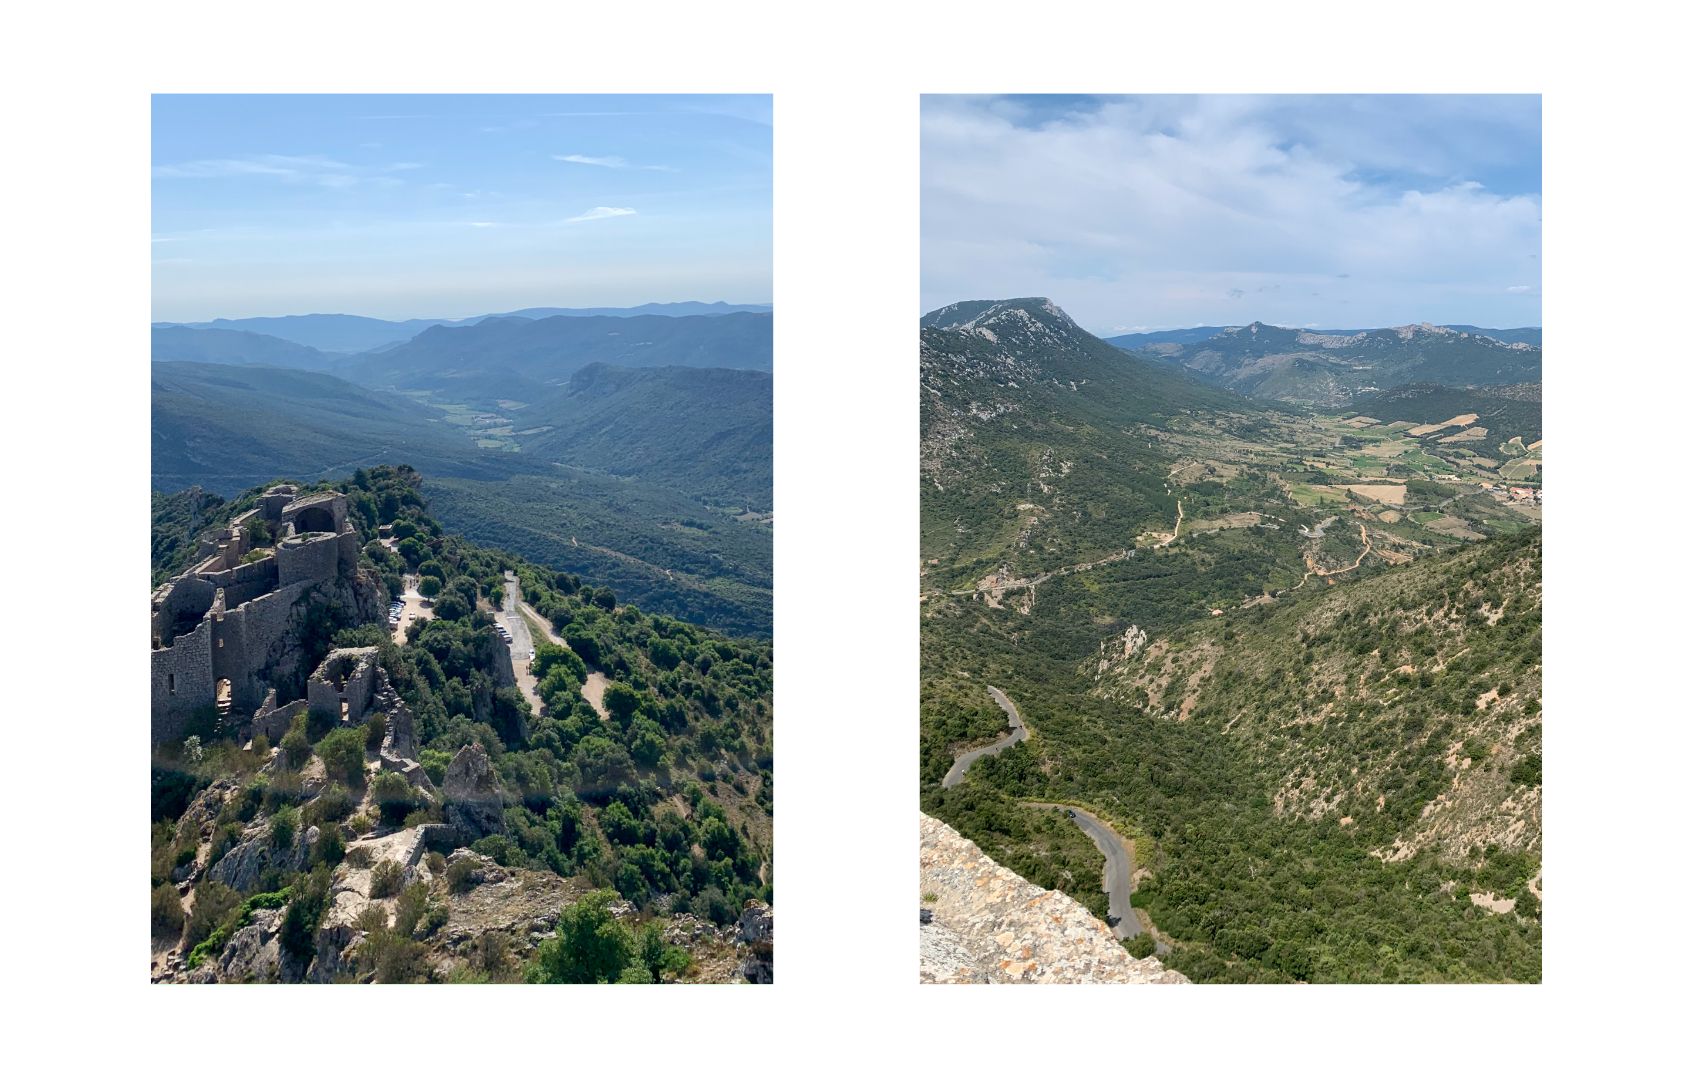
449	206
1332	211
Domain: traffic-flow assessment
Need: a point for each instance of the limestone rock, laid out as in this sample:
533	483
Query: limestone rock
475	801
757	930
244	866
991	926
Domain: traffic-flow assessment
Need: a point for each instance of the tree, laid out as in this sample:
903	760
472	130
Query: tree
429	586
621	701
591	946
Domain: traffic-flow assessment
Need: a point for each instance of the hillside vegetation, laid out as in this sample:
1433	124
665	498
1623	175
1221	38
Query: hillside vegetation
666	800
1314	705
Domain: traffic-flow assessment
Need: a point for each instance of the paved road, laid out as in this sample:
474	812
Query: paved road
526	617
522	643
1119	870
1018	733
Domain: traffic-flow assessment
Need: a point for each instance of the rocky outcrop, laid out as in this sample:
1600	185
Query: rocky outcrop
244	866
991	926
756	932
338	934
475	801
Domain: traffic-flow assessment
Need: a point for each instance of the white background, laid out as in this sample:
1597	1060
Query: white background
846	81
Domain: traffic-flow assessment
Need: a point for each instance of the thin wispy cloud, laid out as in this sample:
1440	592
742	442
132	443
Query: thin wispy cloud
400	206
600	213
607	162
312	169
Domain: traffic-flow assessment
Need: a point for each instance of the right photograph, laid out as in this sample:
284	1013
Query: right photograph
1231	471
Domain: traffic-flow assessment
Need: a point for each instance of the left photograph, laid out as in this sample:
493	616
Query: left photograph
461	539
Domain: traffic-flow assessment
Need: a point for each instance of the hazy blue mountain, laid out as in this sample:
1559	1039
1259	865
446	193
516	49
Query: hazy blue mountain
357	333
1195	334
524	359
226	428
703	430
188	344
1329	369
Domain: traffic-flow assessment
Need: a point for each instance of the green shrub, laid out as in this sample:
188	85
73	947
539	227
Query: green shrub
167	912
296	748
394	796
334	803
212	903
343	755
461	875
385	879
1140	946
284	826
330	847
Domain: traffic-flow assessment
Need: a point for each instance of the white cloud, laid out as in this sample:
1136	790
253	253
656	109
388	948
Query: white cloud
598	162
600	213
1520	288
1185	211
607	162
312	169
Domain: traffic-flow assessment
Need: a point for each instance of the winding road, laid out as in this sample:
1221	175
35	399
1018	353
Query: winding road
1119	877
1019	732
1118	880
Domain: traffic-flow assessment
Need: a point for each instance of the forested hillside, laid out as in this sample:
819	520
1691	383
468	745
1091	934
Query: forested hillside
1257	640
659	789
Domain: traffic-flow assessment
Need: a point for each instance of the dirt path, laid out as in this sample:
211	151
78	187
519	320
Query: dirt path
1311	568
1175	534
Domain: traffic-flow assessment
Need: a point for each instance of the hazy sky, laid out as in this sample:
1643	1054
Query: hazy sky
1161	212
449	206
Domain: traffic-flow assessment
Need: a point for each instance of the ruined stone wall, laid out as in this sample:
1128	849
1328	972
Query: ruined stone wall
274	501
312	559
244	582
272	721
316	508
347	674
180	600
244	641
182	681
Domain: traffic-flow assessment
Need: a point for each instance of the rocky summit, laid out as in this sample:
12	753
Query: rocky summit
988	925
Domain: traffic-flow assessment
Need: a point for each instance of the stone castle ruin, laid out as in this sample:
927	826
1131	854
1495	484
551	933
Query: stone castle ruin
225	631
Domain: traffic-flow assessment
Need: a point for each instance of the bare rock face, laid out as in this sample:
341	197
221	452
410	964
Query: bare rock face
245	865
991	926
475	801
757	931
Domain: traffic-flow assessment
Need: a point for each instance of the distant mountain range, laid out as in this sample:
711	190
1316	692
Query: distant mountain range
1195	334
193	345
632	447
1301	366
351	333
522	359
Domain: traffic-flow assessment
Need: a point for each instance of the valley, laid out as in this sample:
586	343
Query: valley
632	446
1289	647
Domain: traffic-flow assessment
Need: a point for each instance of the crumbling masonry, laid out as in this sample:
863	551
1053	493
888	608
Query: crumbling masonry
219	627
